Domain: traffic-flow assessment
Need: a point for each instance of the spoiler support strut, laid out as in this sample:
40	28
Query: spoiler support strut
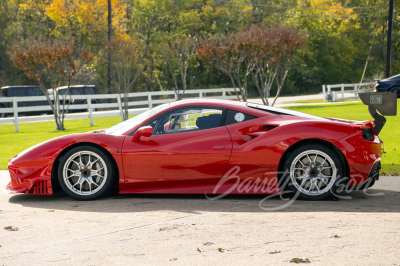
380	120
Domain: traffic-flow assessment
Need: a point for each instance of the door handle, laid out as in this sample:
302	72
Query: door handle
219	147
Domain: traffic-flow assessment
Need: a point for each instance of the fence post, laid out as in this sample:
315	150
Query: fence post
201	94
355	92
15	109
324	93
149	99
89	106
342	92
121	112
223	94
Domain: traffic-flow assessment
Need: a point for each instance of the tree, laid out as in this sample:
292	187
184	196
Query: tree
177	56
222	53
52	60
264	53
87	19
125	69
271	51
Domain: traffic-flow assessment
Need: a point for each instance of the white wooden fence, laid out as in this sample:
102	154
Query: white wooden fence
327	90
136	106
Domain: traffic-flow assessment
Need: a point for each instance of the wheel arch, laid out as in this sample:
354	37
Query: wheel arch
54	180
312	141
394	87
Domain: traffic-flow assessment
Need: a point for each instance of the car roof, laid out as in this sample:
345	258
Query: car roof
213	102
21	86
253	108
391	78
221	103
76	86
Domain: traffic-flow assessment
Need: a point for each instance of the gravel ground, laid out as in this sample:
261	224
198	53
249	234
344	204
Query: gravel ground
191	230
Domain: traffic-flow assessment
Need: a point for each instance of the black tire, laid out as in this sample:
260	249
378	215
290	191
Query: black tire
79	180
326	163
397	91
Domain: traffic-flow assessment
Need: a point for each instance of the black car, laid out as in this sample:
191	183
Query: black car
22	91
391	84
77	90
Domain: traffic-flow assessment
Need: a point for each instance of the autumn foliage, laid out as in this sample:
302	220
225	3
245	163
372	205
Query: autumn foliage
177	55
263	53
125	69
50	62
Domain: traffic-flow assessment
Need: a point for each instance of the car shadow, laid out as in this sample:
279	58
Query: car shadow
373	200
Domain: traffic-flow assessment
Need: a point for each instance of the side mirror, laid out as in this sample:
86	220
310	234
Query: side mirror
146	131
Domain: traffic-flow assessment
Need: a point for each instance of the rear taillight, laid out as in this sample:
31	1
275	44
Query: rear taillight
359	128
366	131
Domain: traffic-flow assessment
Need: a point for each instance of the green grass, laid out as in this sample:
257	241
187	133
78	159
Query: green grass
30	134
390	133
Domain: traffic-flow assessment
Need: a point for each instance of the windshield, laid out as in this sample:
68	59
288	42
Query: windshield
136	120
282	111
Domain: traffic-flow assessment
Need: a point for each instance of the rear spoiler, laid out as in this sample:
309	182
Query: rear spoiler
384	102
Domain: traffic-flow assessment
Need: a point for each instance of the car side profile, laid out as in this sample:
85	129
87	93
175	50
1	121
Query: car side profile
205	146
21	91
78	90
391	84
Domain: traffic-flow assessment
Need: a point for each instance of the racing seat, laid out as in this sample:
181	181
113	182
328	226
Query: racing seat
210	121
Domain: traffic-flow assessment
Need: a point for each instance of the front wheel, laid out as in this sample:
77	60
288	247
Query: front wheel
314	171
86	173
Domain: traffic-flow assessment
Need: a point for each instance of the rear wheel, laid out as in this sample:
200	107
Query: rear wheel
86	173
314	170
397	91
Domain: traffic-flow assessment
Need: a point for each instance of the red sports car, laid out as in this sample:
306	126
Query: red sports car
204	146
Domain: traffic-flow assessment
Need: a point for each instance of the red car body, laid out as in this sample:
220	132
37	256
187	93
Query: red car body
195	161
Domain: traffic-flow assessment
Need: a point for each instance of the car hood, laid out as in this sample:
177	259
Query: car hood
50	149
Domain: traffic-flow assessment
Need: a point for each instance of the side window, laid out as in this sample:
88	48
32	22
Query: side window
89	90
11	92
187	120
33	92
76	91
233	117
19	92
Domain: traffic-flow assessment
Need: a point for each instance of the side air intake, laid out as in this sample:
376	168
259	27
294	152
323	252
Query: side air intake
42	188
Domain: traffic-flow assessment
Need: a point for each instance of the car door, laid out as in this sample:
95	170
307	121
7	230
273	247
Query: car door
188	151
250	159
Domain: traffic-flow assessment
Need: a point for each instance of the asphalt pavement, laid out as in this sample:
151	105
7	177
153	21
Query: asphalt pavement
192	230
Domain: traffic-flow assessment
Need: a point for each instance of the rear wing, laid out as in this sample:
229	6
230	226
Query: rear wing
384	102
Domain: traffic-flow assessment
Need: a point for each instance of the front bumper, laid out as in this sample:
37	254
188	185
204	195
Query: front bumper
10	190
29	180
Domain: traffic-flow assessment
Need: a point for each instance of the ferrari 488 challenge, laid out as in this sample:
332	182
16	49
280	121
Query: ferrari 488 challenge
193	146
